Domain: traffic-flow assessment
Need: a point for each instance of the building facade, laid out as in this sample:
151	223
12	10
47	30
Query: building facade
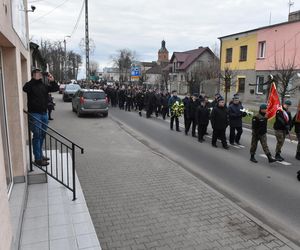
111	74
251	56
188	70
14	71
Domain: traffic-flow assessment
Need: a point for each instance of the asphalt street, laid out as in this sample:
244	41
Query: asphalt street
268	192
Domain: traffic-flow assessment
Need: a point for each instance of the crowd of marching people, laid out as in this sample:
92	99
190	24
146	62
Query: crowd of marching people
198	112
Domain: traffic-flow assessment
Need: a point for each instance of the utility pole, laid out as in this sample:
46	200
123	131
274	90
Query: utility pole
65	59
87	45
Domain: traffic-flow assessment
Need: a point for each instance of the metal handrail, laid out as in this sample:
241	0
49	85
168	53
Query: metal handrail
56	132
55	171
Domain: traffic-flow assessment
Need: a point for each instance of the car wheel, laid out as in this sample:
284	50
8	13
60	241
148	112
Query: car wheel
105	114
74	110
78	112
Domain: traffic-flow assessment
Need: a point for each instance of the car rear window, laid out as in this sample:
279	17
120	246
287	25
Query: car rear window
72	87
94	95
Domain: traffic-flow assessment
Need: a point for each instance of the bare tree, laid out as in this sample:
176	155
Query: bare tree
123	61
94	66
285	73
228	80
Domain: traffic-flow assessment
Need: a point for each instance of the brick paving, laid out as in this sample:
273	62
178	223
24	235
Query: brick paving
140	200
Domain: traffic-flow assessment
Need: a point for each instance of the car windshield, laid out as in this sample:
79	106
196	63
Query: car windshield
94	95
72	87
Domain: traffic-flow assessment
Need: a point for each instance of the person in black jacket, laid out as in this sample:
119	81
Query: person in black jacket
164	104
235	120
37	104
191	115
296	124
157	107
202	116
282	125
219	123
186	102
122	97
128	98
149	103
259	133
50	107
140	98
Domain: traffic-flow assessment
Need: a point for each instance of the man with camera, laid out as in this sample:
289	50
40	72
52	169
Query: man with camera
37	90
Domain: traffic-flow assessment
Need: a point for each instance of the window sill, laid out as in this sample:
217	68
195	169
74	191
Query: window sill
259	93
260	58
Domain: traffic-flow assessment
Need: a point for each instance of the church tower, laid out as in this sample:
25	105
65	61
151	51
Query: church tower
163	53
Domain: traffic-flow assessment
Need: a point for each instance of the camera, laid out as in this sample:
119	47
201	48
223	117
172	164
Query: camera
46	74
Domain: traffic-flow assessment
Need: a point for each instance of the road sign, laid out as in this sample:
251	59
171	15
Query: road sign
135	71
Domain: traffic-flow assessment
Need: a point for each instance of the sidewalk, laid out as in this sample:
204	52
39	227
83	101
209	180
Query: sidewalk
52	221
138	199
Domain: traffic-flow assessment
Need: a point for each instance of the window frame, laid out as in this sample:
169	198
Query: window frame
227	57
257	85
243	59
238	84
261	50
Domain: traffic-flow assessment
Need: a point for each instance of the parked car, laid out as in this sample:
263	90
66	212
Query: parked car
61	88
90	101
70	90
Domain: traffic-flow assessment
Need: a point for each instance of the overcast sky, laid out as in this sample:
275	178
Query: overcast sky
141	25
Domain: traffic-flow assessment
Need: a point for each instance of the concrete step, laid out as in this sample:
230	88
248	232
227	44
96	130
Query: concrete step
37	176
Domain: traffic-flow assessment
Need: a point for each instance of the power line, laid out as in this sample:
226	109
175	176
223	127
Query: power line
61	4
78	19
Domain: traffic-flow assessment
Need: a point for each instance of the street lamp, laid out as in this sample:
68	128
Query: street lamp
65	60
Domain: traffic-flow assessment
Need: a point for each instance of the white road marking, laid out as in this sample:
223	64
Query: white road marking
281	162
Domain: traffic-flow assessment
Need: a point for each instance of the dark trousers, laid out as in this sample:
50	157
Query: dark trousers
164	112
121	104
128	105
157	110
174	118
149	111
201	131
235	137
219	133
190	122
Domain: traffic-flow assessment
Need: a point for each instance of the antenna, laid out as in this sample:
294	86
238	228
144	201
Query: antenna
290	5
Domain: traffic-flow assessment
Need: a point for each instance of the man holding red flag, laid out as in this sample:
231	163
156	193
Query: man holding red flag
273	102
282	127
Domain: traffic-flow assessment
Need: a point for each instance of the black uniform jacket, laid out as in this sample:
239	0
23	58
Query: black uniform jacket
37	95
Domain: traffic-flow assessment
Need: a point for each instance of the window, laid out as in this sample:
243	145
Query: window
94	95
229	55
241	85
261	49
243	53
181	77
259	84
4	132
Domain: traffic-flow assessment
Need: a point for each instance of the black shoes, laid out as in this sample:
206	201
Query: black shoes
214	145
278	157
226	146
270	158
44	158
253	159
41	163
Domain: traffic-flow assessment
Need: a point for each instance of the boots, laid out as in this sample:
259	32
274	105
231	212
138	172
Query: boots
253	159
298	156
270	158
278	157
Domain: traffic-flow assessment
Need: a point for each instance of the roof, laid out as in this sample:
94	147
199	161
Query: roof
148	64
157	69
188	57
260	28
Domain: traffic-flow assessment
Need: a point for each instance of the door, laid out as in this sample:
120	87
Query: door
4	131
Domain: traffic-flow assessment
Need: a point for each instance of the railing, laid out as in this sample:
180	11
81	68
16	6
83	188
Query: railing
61	153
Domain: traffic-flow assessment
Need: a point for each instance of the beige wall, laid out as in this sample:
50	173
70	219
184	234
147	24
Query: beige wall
5	228
16	68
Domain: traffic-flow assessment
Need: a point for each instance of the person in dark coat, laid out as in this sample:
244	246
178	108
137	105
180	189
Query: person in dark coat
157	103
296	124
215	101
122	97
140	98
37	103
202	116
235	120
51	105
174	117
164	104
129	99
191	115
282	125
149	103
219	123
186	102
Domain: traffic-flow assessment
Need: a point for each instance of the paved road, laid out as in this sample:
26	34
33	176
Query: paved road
118	186
270	192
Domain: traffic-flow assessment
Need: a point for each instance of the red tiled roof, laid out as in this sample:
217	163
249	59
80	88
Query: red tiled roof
188	57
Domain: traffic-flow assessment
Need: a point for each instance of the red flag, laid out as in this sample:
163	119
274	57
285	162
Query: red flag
273	102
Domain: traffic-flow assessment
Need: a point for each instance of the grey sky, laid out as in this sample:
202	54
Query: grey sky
140	25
